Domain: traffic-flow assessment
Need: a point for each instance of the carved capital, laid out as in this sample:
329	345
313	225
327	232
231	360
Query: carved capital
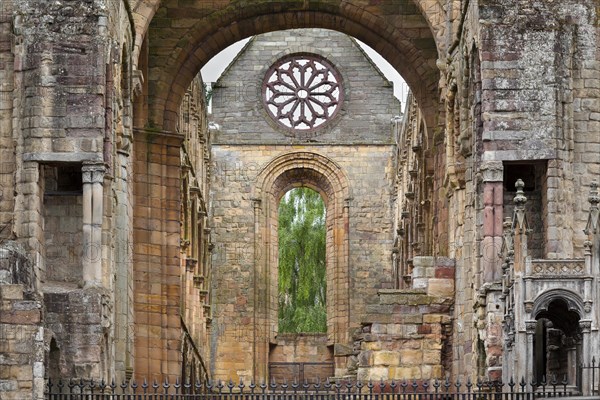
93	172
585	326
530	326
492	171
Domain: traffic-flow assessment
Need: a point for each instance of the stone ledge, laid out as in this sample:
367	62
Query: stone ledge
63	157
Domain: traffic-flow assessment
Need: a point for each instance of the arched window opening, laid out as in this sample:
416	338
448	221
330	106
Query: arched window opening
302	286
557	344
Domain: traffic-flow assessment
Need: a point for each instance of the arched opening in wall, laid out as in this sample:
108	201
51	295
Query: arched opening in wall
557	344
302	285
53	364
300	177
301	350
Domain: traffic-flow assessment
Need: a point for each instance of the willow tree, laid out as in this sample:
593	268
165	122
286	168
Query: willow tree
302	284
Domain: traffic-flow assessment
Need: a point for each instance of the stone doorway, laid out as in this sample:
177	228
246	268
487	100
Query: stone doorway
557	344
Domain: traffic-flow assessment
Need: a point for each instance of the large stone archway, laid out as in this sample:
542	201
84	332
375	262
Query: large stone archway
179	40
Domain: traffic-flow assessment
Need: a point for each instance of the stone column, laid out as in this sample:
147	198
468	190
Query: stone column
530	360
492	220
93	190
586	349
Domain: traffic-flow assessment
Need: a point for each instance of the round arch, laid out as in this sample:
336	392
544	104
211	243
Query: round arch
313	170
558	341
181	41
143	12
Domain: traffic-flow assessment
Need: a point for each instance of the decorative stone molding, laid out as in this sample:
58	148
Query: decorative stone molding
558	268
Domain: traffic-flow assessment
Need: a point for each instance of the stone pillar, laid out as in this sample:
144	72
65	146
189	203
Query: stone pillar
529	356
586	349
492	221
93	178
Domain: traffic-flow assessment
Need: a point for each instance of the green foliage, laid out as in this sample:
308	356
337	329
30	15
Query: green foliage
302	283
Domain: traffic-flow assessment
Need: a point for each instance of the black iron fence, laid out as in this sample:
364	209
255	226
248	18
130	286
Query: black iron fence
593	370
394	390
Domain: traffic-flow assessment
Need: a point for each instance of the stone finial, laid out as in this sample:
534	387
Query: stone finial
594	197
519	220
594	217
520	198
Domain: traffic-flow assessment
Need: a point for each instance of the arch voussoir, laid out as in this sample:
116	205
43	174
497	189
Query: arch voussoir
226	24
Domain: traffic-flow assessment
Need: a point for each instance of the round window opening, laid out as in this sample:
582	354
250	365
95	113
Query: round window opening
302	92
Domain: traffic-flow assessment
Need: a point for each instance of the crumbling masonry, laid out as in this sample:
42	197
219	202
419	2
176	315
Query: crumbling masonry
138	239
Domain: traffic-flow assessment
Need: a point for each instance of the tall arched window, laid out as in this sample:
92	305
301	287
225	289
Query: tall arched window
302	286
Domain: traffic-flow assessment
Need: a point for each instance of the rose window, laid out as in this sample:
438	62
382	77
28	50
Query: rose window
302	92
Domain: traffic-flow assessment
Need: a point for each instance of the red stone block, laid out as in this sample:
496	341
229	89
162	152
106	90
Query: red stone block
444	272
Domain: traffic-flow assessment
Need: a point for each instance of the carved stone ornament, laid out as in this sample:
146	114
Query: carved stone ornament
302	92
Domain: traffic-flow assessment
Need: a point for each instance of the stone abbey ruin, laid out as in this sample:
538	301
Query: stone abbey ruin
139	226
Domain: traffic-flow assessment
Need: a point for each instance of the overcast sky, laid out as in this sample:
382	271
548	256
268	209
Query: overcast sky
215	67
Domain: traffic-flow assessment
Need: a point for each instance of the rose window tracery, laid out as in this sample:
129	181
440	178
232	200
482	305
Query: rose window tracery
302	92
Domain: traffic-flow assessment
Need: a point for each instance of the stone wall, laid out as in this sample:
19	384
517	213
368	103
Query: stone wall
7	157
305	357
349	162
22	344
408	335
78	330
495	82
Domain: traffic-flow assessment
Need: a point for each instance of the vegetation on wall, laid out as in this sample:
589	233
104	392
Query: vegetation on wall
302	283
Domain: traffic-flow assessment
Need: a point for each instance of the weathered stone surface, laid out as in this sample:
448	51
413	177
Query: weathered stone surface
513	94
